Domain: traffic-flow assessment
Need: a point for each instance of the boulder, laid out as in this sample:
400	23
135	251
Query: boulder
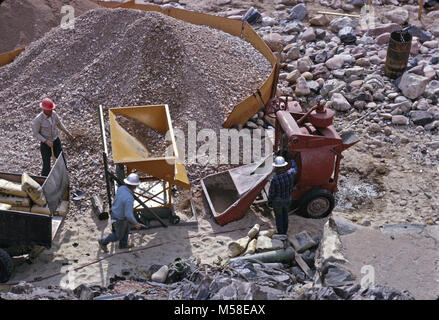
267	244
293	76
400	120
337	277
347	35
274	41
302	241
302	88
308	35
298	12
293	53
334	63
399	16
339	102
304	64
412	85
384	28
420	117
383	38
293	27
161	275
339	23
421	34
319	20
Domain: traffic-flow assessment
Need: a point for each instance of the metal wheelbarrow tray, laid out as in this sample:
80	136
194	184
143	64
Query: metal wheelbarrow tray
230	193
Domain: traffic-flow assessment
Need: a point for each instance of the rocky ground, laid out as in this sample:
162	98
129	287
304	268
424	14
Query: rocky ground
391	174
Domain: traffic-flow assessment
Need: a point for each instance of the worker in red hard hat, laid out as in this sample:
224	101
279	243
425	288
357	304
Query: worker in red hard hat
45	129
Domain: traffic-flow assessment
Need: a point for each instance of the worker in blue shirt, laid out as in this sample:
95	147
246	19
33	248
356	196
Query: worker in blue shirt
122	214
279	195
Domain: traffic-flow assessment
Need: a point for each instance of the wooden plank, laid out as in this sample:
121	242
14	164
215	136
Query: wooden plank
339	14
302	264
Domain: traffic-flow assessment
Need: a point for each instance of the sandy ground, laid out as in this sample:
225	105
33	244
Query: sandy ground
76	246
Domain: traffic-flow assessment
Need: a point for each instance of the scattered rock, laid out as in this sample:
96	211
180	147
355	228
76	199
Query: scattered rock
334	63
340	103
308	35
400	120
339	23
274	41
412	86
319	20
399	15
421	117
267	244
302	88
302	241
347	35
161	275
298	12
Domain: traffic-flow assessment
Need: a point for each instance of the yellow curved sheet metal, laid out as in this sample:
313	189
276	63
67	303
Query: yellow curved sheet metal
134	155
8	57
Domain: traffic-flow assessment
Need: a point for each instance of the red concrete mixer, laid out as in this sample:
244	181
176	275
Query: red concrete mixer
311	140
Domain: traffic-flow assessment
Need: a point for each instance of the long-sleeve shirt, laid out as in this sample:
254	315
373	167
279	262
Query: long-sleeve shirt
123	205
282	185
46	128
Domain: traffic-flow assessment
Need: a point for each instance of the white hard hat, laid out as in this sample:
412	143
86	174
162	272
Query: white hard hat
132	179
279	162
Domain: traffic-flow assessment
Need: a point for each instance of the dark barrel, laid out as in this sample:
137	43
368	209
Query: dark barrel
398	53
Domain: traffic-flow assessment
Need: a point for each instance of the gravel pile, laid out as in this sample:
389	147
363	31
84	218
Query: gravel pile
121	58
153	141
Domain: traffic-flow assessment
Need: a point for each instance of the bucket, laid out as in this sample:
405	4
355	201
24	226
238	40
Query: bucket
398	52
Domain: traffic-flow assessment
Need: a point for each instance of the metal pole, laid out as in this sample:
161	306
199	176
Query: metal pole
105	156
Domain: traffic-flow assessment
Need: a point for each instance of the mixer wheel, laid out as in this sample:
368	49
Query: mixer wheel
317	204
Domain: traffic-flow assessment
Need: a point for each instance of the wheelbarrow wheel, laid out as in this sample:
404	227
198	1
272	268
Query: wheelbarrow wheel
174	219
317	204
6	266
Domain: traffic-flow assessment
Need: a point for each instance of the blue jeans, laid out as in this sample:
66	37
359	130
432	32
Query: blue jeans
281	207
121	232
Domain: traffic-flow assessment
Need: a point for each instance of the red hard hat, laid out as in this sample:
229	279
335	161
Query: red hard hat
47	104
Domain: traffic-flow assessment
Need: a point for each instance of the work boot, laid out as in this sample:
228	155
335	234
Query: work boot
103	246
128	246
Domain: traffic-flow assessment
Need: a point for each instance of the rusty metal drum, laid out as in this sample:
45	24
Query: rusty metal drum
398	52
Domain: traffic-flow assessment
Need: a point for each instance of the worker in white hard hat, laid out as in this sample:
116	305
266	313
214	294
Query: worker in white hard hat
122	214
281	188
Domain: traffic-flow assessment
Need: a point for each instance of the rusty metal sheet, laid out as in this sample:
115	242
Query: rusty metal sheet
9	56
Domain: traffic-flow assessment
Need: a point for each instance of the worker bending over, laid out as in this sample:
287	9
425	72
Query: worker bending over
122	214
279	195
